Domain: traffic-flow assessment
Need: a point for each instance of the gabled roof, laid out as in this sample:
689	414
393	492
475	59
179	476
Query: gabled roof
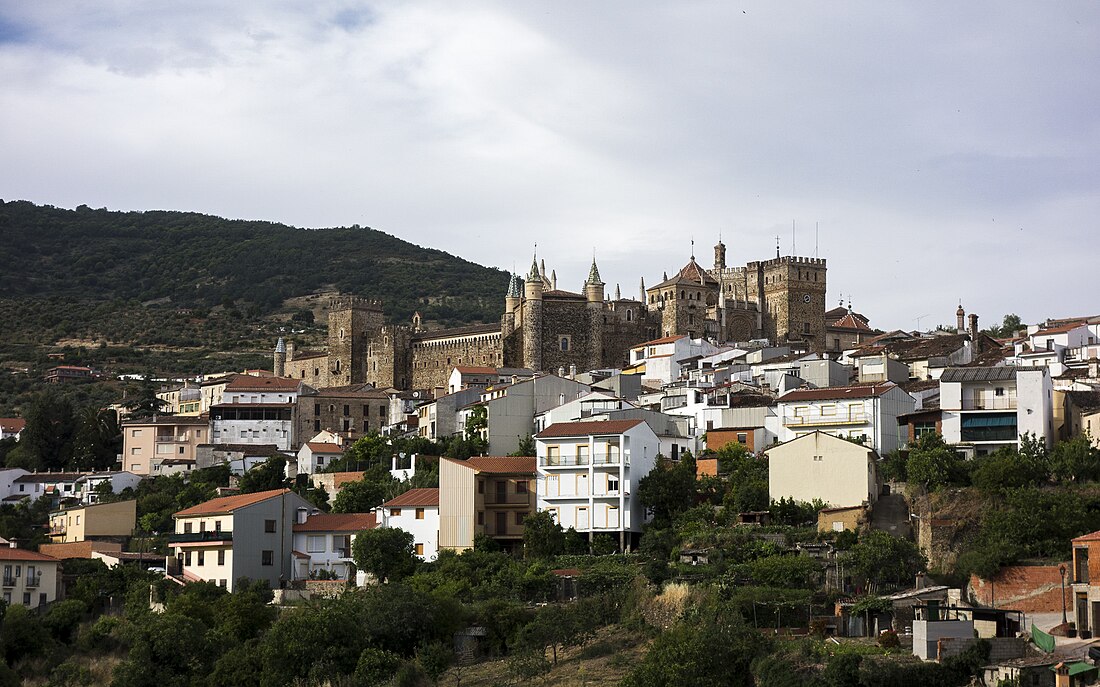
838	392
10	554
228	504
319	447
1060	330
978	374
49	477
337	522
12	424
423	496
583	429
249	383
691	273
499	465
850	321
1091	536
664	340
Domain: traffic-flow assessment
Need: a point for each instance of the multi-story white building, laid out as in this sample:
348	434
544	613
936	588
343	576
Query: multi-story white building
119	480
511	409
323	543
868	413
662	357
416	512
247	535
588	474
986	408
256	410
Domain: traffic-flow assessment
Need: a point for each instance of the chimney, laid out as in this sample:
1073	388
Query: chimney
572	372
974	334
919	583
960	319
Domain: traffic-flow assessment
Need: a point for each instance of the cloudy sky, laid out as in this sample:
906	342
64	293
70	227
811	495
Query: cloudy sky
934	150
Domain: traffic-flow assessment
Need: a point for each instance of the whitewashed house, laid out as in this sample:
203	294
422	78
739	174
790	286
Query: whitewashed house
417	512
588	474
867	413
985	408
322	542
256	410
821	466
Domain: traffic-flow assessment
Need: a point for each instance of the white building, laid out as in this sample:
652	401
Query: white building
256	410
986	408
662	357
315	456
511	409
417	512
11	427
323	542
588	474
821	466
588	405
119	480
868	413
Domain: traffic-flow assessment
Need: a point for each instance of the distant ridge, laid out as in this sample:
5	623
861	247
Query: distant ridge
200	260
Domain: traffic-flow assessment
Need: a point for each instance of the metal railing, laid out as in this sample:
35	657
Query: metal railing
993	403
33	580
192	537
9	581
617	458
813	420
494	499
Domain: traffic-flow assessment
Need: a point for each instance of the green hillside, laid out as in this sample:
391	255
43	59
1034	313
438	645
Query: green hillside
204	261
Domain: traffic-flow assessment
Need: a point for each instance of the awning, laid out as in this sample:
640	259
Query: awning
975	421
1041	639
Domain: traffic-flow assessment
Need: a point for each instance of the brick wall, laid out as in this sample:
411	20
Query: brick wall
1028	588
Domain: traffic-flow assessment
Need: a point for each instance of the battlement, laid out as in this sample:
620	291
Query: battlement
354	303
788	260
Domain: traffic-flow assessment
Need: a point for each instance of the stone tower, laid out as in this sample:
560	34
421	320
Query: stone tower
791	294
279	366
511	304
720	256
593	293
532	318
352	324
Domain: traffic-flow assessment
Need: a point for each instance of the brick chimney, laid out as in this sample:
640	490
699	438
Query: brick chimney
974	333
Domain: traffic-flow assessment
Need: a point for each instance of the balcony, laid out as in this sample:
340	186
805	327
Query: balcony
33	580
9	581
199	537
616	458
993	403
825	420
172	438
494	499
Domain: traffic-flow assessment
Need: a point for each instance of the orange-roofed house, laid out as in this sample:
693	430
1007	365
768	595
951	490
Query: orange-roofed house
315	456
490	495
864	412
11	427
245	535
417	512
323	542
589	474
256	410
661	357
30	578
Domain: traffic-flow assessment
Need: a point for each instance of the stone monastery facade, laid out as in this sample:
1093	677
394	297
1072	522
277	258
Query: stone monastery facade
548	329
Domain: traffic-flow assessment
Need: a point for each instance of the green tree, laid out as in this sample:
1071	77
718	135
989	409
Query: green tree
883	558
46	443
933	464
145	404
363	496
543	537
526	447
268	475
98	439
668	489
384	552
1075	460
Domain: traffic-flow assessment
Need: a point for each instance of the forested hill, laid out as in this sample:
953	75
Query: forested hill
202	261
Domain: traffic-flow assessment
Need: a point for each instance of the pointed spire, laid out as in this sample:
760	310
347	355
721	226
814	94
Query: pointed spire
542	269
618	296
641	288
593	274
554	280
281	346
515	288
534	273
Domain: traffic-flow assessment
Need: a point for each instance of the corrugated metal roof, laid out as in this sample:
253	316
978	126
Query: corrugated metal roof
978	374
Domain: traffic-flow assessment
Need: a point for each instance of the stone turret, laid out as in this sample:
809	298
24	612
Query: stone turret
593	286
641	289
720	256
279	367
960	319
512	298
532	318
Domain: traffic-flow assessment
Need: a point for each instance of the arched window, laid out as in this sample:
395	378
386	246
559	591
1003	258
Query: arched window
681	294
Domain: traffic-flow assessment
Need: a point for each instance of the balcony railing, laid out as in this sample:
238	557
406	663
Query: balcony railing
822	420
616	458
196	537
494	499
171	438
993	403
9	581
33	580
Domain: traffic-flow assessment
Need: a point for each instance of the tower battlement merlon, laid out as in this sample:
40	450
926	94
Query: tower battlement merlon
788	260
354	302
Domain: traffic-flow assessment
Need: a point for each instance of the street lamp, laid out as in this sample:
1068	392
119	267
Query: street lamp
1062	572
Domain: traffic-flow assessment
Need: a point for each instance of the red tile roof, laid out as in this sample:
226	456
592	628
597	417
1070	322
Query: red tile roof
247	383
665	340
850	321
319	447
473	370
228	504
1091	536
582	429
500	464
423	496
837	392
1059	330
12	424
338	522
9	554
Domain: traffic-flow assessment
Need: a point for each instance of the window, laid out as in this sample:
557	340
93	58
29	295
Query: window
419	549
742	437
520	517
481	517
501	523
221	583
221	560
187	528
267	557
315	543
269	526
316	408
395	512
612	484
481	486
316	425
200	557
347	409
381	411
26	598
564	343
521	486
419	513
187	558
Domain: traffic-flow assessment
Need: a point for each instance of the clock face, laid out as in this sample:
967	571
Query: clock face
806	298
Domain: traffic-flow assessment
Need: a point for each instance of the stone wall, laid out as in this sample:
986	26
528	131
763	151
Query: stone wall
1000	648
432	358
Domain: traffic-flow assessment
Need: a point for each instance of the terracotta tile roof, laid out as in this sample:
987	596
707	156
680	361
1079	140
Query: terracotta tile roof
582	429
691	273
9	554
338	522
423	496
318	447
837	392
831	316
1085	400
247	383
228	504
471	370
1059	330
1091	536
850	321
501	465
665	340
12	424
